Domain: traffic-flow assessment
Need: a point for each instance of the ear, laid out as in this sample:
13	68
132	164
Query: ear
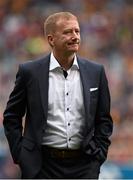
50	40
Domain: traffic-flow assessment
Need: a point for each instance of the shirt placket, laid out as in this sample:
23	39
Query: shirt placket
67	110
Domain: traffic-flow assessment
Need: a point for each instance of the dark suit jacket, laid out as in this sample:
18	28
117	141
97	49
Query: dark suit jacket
30	98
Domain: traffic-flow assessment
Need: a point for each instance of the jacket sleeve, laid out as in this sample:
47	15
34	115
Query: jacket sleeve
103	121
13	114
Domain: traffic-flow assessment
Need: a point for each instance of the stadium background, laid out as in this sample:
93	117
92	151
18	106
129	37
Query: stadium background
107	37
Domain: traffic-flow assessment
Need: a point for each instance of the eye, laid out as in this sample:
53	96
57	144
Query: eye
67	32
77	31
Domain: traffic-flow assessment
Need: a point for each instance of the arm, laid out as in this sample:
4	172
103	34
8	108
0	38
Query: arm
103	122
13	114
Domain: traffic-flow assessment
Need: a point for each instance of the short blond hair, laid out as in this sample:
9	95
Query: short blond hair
51	21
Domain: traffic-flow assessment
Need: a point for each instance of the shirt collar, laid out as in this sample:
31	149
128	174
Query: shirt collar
54	63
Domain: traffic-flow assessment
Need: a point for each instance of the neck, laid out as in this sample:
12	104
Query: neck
65	61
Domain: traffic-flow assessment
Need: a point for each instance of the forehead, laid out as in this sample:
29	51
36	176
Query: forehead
67	23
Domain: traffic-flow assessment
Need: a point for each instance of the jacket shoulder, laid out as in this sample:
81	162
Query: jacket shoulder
33	64
90	64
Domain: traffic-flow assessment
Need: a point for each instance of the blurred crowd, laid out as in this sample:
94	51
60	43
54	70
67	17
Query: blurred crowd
107	38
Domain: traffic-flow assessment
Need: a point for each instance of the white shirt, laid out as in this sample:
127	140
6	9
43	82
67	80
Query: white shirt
66	117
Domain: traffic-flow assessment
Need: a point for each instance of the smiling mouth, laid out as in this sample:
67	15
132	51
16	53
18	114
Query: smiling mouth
77	43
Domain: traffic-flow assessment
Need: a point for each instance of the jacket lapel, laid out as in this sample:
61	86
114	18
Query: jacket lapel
43	83
86	82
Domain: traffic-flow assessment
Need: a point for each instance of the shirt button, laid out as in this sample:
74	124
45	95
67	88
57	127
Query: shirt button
67	109
67	94
68	124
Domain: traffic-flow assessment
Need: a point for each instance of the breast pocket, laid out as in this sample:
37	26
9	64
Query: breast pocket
94	94
93	102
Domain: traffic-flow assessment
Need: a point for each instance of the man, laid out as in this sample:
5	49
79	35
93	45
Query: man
67	105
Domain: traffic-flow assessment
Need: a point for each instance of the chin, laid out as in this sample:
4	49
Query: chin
74	49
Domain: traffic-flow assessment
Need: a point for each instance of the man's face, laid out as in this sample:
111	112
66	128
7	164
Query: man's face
66	38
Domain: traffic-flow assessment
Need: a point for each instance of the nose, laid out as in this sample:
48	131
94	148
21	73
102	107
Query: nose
75	35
